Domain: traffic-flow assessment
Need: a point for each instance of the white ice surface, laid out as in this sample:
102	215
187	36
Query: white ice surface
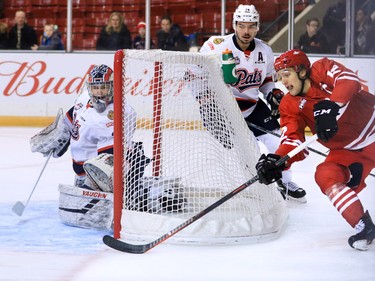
37	246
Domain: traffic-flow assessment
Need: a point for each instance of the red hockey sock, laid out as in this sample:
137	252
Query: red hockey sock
346	201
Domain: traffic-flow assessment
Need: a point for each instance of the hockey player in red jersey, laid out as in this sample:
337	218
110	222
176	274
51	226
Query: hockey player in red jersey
327	97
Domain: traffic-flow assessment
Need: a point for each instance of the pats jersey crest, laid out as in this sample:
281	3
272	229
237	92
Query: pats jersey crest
75	130
110	115
218	41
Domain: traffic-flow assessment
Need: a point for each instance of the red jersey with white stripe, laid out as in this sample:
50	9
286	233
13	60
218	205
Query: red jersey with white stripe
329	80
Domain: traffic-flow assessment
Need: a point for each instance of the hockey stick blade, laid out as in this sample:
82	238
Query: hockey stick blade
140	249
18	208
125	247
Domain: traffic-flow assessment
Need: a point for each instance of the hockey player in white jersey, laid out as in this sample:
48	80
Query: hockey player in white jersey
88	128
90	122
254	69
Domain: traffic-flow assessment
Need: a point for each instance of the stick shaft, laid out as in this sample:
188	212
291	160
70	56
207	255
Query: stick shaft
278	135
40	175
18	205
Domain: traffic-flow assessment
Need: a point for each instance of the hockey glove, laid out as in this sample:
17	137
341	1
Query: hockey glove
267	170
274	98
325	113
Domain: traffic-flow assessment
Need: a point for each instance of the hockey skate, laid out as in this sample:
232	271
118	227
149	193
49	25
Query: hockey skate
365	233
291	191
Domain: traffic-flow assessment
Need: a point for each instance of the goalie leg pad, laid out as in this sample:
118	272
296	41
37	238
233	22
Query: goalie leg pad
55	137
99	172
85	208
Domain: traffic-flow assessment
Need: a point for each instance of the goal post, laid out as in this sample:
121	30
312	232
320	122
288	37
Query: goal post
190	147
118	143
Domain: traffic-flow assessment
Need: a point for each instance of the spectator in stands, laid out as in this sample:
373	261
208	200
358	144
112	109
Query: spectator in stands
170	37
139	41
21	36
3	35
115	35
364	34
50	40
312	41
334	26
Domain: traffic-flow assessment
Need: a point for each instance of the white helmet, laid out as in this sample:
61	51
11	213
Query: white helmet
245	13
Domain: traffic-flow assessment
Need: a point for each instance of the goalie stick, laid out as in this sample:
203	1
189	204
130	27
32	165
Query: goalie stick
18	208
278	135
140	249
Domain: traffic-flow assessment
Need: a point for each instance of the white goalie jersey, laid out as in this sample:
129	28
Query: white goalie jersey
254	68
92	132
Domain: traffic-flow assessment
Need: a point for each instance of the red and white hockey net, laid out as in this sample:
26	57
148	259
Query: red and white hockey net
201	149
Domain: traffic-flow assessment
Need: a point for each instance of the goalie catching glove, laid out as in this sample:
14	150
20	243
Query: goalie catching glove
267	170
274	98
54	138
325	113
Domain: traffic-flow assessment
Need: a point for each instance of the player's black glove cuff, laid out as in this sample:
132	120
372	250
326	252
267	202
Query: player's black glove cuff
267	170
274	98
325	113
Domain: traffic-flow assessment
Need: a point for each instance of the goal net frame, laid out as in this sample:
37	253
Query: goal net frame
261	226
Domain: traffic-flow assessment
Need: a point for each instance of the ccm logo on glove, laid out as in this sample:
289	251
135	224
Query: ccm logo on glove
321	112
325	113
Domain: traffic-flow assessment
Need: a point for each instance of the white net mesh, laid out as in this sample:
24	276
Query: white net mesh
189	124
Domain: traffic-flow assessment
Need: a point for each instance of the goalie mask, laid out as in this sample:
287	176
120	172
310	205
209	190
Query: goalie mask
100	87
245	13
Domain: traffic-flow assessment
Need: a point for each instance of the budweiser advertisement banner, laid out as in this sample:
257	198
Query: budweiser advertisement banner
37	84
